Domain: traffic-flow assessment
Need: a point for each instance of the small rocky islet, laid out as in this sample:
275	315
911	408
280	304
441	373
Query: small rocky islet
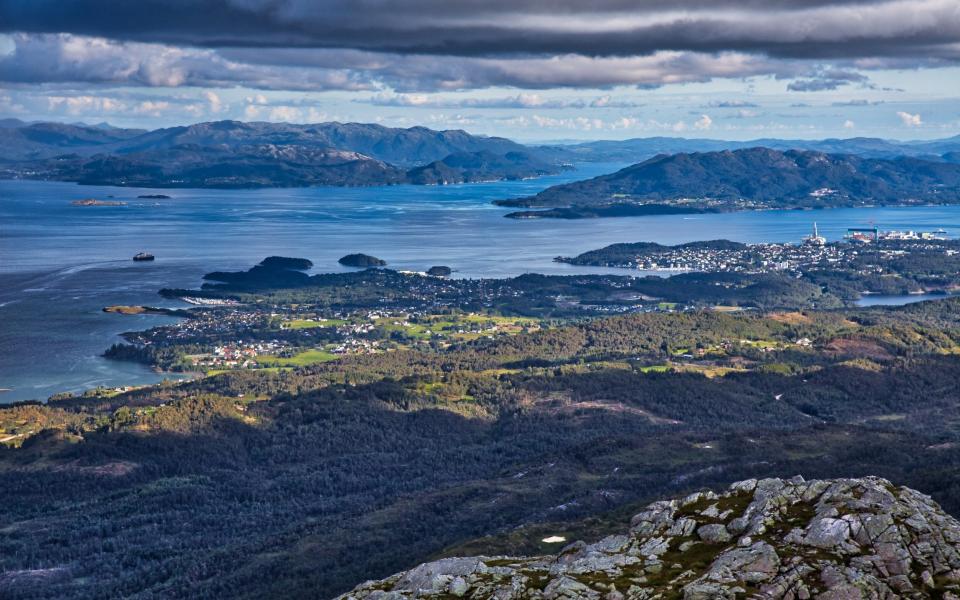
439	271
97	202
361	261
840	539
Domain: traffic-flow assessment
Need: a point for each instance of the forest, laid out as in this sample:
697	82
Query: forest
303	482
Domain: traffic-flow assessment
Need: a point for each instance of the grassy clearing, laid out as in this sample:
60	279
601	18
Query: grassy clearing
303	359
213	372
311	323
456	327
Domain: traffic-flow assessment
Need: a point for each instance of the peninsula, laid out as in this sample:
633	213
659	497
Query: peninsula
96	202
748	179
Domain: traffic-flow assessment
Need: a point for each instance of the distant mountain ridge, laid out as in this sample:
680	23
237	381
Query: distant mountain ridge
402	147
757	178
257	154
639	149
232	154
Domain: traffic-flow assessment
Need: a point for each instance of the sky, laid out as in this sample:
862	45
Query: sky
531	70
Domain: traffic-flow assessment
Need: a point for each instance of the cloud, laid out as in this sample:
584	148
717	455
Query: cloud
526	100
290	114
610	102
910	120
67	58
415	46
703	123
828	79
518	101
152	108
848	124
419	73
71	59
857	103
820	29
731	104
216	105
77	105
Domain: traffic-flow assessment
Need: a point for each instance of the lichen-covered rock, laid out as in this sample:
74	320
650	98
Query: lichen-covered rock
771	538
714	533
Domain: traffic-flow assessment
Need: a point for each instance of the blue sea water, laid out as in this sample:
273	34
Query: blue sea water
61	264
885	300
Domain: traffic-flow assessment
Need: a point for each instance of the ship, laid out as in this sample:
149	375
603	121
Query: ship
139	256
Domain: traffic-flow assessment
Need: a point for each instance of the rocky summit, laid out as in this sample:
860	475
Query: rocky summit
773	538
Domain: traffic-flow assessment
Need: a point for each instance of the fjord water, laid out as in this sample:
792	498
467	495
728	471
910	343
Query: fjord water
61	264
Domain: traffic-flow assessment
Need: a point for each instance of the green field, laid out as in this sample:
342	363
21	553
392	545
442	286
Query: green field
213	372
459	327
311	323
307	357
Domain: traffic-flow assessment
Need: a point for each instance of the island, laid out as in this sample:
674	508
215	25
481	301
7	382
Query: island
361	261
96	202
616	209
439	271
121	309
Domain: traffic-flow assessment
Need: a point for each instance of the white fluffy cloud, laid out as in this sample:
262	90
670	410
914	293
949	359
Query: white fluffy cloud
213	100
78	105
910	120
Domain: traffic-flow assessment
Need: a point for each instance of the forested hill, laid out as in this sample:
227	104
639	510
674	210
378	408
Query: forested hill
402	147
235	154
637	149
760	178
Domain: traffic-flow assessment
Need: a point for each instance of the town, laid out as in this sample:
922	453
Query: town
250	324
865	250
217	339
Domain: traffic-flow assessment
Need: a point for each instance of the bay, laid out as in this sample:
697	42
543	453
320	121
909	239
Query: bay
61	264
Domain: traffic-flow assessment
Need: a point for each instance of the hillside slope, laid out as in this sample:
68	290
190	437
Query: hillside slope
639	149
763	177
773	538
231	154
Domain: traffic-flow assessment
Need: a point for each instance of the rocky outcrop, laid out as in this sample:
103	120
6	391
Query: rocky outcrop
773	538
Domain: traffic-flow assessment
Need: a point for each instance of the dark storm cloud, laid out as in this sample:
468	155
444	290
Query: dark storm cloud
819	29
67	58
434	45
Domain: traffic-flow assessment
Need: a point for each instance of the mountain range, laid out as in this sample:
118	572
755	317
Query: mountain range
234	154
752	178
237	154
639	149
